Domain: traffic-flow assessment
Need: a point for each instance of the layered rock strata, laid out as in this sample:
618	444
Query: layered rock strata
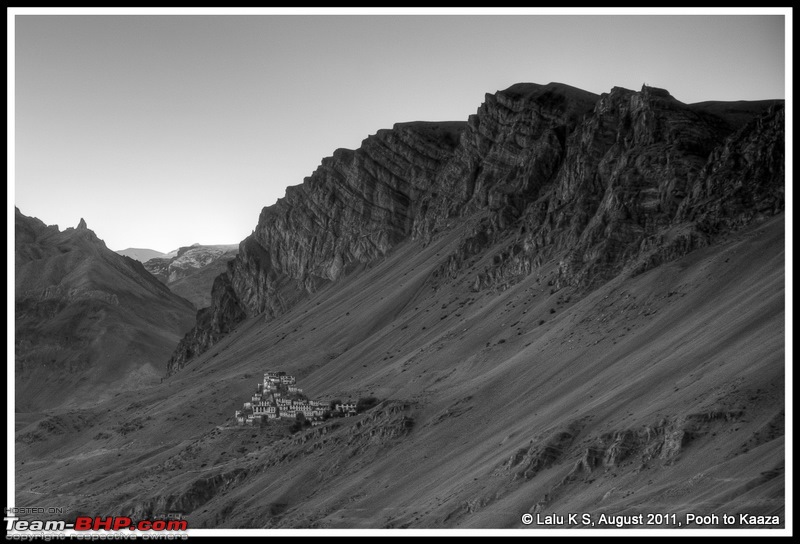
602	184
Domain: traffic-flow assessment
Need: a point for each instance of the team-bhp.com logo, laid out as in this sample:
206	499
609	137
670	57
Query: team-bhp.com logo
88	523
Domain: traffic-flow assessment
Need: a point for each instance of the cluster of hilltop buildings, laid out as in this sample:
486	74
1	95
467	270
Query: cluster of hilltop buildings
278	396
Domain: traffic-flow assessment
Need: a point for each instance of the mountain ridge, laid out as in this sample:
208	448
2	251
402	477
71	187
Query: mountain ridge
85	316
539	171
141	254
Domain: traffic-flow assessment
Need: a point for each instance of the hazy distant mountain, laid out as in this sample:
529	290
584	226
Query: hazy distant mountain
141	254
190	271
88	321
569	303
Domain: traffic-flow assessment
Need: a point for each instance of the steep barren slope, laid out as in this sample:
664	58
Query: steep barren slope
88	321
658	393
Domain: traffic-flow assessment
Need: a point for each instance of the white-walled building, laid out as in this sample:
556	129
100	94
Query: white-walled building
272	401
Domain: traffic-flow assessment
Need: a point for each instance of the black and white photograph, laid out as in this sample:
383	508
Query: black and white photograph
399	271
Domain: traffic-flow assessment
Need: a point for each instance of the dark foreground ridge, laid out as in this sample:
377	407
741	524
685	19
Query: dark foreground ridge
603	184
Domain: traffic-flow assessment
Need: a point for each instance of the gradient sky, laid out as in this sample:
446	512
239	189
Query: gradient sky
166	130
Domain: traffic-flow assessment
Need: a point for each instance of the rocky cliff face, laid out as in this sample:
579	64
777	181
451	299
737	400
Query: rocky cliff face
621	189
600	184
353	208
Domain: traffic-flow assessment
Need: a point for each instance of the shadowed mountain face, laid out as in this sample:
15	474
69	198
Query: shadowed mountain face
569	303
191	271
88	321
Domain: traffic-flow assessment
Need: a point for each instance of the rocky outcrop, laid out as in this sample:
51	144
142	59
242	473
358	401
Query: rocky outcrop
188	260
213	322
617	190
628	170
642	179
198	493
353	208
600	184
743	178
662	441
742	181
512	149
